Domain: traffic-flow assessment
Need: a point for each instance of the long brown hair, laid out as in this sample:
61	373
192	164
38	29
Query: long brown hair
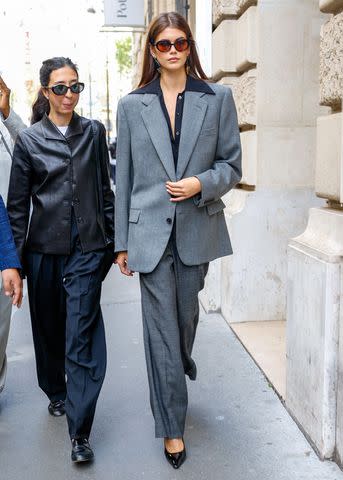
158	24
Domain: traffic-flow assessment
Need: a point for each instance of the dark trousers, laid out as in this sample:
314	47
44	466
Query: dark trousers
170	308
68	329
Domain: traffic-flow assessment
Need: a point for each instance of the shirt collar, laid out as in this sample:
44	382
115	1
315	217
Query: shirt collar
51	131
192	85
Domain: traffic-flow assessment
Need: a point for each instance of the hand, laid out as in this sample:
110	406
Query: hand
13	285
5	93
121	260
183	189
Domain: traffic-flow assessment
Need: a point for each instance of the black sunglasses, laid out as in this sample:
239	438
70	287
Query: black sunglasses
181	44
62	89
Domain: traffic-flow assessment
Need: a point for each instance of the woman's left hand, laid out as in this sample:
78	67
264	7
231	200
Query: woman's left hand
183	189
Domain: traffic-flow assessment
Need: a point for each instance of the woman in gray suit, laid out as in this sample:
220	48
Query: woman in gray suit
178	152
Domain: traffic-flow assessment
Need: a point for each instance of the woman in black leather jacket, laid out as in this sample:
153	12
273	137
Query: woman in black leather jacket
61	164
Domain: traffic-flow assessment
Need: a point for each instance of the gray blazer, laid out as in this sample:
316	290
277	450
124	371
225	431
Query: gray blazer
9	130
209	149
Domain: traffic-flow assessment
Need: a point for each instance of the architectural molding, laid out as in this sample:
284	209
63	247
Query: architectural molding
223	9
331	6
244	92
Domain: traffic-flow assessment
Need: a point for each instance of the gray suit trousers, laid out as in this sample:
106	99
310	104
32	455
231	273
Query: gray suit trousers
170	309
5	319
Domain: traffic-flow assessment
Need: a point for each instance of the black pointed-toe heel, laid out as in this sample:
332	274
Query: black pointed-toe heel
176	459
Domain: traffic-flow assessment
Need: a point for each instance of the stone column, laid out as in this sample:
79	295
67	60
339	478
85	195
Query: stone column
314	327
267	52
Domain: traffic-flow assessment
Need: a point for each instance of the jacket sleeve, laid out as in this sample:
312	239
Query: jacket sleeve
226	171
19	195
8	252
108	195
14	124
123	180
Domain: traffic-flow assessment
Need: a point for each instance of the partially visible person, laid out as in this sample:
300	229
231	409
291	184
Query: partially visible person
10	125
113	155
178	153
60	164
12	288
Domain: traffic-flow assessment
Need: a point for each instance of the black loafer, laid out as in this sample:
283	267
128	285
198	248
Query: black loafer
175	459
81	450
57	408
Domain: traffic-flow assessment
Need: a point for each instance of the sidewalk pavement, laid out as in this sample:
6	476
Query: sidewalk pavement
237	428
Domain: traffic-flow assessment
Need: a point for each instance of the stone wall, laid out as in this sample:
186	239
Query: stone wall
267	53
331	62
227	8
314	319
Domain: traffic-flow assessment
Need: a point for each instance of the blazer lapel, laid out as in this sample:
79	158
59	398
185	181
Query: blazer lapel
159	133
194	111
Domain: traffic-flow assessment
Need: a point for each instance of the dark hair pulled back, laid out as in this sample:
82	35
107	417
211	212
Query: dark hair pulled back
41	105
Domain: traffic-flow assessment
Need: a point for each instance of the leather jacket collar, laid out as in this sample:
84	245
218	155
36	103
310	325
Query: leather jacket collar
50	130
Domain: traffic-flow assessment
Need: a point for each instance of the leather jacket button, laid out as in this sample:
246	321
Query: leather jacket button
169	220
79	220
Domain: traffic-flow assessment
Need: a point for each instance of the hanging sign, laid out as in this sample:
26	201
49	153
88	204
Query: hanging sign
124	13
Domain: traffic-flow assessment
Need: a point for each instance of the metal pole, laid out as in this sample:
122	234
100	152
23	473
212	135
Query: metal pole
90	94
187	7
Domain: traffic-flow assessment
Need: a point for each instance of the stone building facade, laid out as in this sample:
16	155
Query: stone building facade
314	301
283	60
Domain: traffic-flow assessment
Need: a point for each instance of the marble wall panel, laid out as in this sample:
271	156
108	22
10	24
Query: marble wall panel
224	49
235	45
329	157
312	327
249	157
246	40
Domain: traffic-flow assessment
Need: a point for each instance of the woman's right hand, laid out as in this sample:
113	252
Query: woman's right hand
5	93
121	260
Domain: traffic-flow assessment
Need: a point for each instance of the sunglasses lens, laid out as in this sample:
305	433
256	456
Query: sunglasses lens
181	44
77	87
59	89
163	45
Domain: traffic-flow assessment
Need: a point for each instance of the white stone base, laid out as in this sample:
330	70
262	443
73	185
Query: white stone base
210	296
252	282
313	307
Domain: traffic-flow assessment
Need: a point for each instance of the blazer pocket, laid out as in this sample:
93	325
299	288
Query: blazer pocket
208	131
215	207
134	215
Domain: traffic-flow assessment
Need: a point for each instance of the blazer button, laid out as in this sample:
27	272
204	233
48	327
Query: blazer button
169	220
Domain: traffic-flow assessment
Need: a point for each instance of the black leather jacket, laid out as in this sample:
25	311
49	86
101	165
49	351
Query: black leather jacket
59	173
